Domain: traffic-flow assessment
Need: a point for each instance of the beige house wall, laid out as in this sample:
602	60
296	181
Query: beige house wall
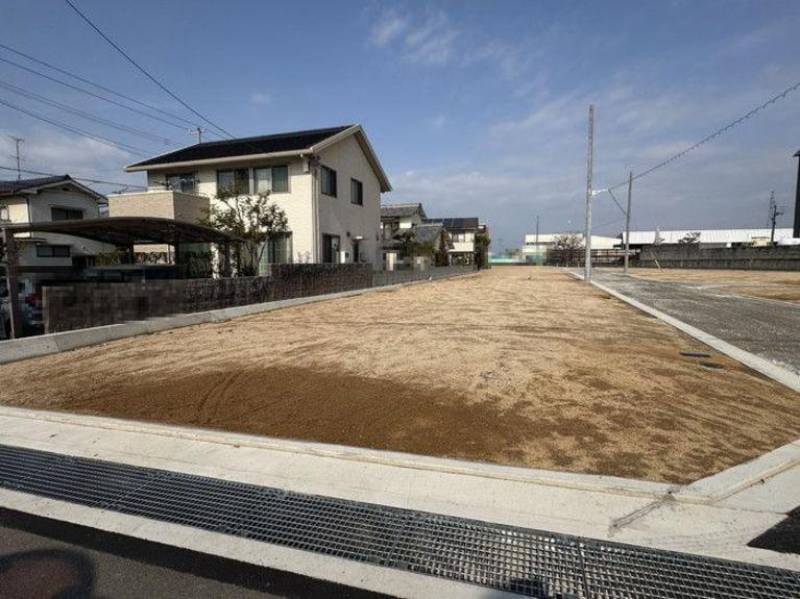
335	216
339	216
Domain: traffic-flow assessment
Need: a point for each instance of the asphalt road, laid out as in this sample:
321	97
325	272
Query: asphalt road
767	328
41	557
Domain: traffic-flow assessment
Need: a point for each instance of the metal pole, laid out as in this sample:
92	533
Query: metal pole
587	267
628	221
17	141
12	283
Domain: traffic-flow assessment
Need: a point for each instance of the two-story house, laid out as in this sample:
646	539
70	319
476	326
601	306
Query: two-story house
463	232
328	182
46	199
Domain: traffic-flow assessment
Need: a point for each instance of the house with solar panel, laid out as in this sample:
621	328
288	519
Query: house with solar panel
328	182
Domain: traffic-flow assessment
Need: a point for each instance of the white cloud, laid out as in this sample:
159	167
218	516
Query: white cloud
432	41
49	151
387	29
260	98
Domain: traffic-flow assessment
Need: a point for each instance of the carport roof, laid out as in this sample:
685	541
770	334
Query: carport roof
129	230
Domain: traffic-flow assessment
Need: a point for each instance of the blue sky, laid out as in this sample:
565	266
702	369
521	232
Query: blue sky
475	108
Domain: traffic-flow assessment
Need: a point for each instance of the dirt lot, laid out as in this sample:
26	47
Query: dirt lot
757	283
516	365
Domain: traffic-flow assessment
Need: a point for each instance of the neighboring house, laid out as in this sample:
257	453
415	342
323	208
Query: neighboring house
50	255
462	233
397	222
327	181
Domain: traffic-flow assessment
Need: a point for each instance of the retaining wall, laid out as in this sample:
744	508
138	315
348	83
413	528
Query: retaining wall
394	277
745	258
84	305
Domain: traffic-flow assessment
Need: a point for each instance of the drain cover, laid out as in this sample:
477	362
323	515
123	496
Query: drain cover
525	561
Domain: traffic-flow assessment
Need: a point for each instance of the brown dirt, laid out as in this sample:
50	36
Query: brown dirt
516	365
778	285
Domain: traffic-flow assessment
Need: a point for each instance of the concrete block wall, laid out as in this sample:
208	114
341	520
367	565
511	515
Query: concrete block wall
83	305
394	277
745	258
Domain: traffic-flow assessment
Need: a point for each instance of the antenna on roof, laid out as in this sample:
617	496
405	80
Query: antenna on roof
18	141
198	131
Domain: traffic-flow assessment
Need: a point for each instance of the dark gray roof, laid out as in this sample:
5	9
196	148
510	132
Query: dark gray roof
401	210
428	233
456	224
129	230
12	187
264	144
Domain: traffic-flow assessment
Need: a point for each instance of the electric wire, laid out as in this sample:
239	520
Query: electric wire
77	178
143	70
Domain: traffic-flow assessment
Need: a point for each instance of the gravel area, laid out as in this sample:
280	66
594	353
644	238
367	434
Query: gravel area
516	365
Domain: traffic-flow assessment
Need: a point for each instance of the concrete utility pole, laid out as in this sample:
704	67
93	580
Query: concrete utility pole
587	268
628	221
774	213
198	131
18	141
12	284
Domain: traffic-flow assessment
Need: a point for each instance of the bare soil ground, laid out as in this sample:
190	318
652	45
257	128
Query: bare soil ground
779	285
516	365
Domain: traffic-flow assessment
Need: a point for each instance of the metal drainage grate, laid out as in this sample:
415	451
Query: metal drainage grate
529	562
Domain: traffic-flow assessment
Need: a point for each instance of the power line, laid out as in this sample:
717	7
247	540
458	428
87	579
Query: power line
98	138
89	116
98	86
98	181
143	70
714	135
90	93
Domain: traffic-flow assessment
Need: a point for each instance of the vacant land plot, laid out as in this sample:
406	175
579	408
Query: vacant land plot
516	365
757	283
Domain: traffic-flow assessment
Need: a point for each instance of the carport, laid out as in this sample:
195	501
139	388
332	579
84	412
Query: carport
120	231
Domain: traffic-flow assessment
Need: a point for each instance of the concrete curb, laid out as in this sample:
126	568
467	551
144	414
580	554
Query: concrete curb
742	476
15	350
550	478
781	375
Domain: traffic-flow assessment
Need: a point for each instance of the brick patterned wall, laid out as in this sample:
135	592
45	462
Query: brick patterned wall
83	305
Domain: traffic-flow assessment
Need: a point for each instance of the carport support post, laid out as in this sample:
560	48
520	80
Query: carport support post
628	221
12	283
587	237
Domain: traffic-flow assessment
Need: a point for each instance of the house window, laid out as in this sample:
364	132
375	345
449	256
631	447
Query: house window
52	251
328	181
274	179
184	182
65	214
4	216
278	250
356	192
235	181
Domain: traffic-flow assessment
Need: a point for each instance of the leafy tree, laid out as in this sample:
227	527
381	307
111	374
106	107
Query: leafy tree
253	219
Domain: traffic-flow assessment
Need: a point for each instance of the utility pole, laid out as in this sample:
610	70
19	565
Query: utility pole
198	131
537	231
774	213
18	141
628	221
587	268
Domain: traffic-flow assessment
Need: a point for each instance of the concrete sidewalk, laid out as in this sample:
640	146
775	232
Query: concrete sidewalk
716	516
767	328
